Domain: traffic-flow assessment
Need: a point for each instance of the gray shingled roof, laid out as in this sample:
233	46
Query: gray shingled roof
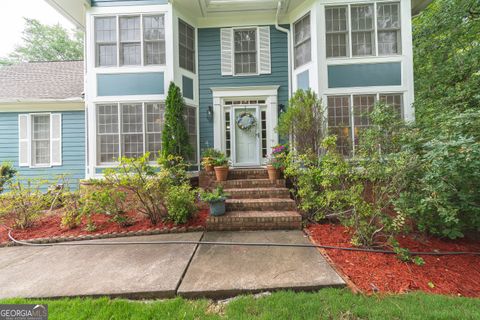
42	80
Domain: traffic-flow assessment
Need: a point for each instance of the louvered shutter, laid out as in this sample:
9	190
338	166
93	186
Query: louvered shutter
226	42
24	141
264	46
56	139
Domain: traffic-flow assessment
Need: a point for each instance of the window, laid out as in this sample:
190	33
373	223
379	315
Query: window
337	31
228	135
303	50
186	46
106	41
132	129
348	115
245	42
131	41
40	140
357	37
388	25
154	40
363	33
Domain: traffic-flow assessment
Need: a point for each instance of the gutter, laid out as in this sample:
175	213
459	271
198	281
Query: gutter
284	30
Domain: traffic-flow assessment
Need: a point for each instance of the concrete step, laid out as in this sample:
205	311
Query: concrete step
262	204
255	220
258	193
242	174
251	183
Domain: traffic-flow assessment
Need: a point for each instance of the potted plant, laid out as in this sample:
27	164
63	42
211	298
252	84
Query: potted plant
276	163
208	159
221	166
216	200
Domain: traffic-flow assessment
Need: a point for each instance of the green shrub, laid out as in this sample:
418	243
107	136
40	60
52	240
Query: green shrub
7	172
180	202
73	211
23	203
214	196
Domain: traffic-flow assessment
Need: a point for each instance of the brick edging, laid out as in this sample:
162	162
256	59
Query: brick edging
111	235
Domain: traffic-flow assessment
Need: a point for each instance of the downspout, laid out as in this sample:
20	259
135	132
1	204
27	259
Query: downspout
281	29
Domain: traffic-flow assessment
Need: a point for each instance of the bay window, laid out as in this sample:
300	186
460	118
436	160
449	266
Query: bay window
354	30
135	34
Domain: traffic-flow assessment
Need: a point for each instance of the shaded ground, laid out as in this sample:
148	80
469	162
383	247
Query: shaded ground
371	272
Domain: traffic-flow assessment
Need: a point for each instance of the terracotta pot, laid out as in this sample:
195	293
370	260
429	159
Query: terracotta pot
221	173
273	174
209	168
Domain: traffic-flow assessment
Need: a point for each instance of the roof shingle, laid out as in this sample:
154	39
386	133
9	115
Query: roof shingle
42	80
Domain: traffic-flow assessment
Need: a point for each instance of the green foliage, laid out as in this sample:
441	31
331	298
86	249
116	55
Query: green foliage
221	161
23	203
175	140
214	196
180	200
73	211
304	122
446	39
7	172
176	167
209	155
48	43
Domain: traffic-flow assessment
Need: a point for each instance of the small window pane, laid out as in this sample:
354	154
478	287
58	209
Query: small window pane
362	43
130	54
154	40
191	124
395	100
388	24
132	130
130	47
154	113
362	107
339	122
337	31
303	50
41	140
245	51
186	40
106	41
363	40
107	131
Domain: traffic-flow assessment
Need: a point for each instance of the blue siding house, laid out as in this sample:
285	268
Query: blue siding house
231	58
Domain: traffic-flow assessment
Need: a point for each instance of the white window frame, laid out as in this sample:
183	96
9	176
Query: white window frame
375	30
257	48
351	109
309	39
142	39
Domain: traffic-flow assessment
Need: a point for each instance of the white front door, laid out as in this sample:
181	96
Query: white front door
246	142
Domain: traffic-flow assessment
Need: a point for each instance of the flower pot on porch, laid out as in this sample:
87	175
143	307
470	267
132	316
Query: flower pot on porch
273	173
209	168
221	173
217	208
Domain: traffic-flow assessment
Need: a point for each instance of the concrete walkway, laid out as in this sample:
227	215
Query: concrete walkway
163	271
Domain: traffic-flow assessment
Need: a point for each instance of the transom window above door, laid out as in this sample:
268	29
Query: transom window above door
130	40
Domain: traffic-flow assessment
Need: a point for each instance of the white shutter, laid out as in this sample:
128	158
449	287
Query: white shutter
56	139
264	48
226	42
23	140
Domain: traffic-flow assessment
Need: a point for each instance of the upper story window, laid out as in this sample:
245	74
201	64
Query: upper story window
368	23
245	51
136	34
303	46
186	46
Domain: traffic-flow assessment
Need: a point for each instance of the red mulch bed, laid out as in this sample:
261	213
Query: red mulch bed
50	226
384	273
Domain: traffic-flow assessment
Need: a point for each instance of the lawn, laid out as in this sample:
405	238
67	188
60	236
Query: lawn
325	304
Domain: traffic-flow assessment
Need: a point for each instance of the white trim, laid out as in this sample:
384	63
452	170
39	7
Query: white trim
30	133
230	92
56	139
41	107
233	136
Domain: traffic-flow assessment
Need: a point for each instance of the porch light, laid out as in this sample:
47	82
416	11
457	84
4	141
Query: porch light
281	107
210	113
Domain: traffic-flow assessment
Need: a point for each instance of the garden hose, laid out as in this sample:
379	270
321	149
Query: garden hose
223	243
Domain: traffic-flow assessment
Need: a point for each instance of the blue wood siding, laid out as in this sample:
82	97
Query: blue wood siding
111	3
124	84
210	74
73	147
365	75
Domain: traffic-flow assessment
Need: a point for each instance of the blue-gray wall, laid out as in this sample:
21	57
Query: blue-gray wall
365	75
73	147
124	84
108	3
210	74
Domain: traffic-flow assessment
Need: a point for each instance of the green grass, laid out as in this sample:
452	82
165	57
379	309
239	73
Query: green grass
325	304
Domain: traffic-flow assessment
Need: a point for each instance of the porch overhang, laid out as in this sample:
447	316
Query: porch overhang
73	10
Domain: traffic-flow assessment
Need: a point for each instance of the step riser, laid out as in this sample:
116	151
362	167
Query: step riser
272	194
237	175
273	206
235	184
253	223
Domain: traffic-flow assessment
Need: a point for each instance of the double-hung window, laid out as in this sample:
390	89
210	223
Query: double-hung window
136	34
186	46
302	39
354	30
40	139
348	115
245	44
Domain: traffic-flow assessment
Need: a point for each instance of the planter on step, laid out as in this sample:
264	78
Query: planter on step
273	173
221	173
217	208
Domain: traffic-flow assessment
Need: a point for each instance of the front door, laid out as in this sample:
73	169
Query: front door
246	136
